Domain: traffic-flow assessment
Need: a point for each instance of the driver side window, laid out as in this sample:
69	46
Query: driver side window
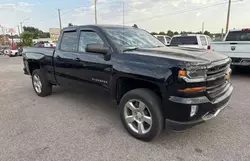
88	37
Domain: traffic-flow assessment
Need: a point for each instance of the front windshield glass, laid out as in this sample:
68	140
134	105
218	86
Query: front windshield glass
125	38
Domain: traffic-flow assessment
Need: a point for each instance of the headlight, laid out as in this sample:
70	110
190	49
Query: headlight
193	75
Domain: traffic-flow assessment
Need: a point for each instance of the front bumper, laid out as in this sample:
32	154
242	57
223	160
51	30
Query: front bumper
179	118
244	62
25	71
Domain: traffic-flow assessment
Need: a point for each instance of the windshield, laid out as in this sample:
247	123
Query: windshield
125	38
184	40
238	36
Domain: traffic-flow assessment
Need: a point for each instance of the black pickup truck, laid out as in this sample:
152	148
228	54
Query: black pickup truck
155	86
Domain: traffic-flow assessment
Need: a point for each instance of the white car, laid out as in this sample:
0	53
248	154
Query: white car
10	52
199	41
236	45
163	38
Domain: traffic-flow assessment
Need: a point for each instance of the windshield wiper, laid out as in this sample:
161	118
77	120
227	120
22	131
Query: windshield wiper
130	49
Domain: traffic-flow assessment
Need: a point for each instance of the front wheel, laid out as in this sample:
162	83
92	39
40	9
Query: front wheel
40	84
141	114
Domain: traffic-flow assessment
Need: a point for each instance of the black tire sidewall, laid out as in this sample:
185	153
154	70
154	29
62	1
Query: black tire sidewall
152	101
46	86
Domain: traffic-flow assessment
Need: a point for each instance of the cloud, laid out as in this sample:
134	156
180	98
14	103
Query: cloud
19	6
141	12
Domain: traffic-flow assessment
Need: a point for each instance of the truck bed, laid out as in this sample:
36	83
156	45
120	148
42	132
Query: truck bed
43	51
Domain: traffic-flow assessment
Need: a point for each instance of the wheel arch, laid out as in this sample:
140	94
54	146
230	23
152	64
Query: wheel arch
125	84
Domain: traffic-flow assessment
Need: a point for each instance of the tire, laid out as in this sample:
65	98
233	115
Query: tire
152	108
45	86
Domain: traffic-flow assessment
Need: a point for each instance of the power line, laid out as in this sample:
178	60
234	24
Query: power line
75	8
181	11
89	5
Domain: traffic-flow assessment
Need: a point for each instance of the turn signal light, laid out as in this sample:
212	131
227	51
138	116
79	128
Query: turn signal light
195	89
182	73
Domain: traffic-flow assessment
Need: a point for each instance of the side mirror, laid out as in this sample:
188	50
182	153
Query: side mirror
97	48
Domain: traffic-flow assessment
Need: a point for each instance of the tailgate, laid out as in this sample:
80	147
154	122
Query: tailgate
240	49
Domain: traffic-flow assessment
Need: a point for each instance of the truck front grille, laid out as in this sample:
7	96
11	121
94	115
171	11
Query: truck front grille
217	83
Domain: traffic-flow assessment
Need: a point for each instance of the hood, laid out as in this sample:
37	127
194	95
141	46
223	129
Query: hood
188	55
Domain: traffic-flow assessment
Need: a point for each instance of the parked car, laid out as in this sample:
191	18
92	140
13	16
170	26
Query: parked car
44	44
1	51
8	51
163	38
2	47
155	86
191	40
236	45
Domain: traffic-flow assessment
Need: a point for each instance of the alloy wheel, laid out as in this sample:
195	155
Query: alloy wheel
138	116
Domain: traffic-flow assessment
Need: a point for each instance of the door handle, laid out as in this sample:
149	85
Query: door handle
78	59
58	57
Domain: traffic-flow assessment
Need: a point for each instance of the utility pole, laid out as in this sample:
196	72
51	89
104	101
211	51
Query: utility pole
3	34
228	15
202	27
18	30
95	1
123	20
60	21
21	25
222	36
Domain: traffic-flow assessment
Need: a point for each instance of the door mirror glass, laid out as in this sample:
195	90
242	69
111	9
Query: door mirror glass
97	48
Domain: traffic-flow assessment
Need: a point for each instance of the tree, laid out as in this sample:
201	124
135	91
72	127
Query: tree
154	33
170	33
162	33
207	33
27	37
36	32
176	33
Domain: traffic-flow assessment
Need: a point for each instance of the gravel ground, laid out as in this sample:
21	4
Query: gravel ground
84	124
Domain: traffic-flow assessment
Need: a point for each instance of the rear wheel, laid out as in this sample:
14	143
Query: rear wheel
40	84
141	115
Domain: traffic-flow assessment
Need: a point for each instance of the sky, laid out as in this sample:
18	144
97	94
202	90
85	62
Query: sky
152	15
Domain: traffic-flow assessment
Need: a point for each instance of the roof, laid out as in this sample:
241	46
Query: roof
98	26
189	35
163	35
243	29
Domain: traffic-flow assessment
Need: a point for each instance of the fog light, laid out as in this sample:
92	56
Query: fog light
194	109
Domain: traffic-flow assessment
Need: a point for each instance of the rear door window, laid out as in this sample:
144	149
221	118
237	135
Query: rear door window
69	41
203	40
238	36
184	40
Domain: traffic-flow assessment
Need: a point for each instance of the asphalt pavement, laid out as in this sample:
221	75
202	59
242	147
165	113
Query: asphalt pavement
84	124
